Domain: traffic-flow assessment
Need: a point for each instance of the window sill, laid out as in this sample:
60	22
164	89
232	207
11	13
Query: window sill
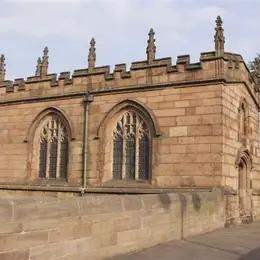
43	188
50	182
256	192
140	189
127	184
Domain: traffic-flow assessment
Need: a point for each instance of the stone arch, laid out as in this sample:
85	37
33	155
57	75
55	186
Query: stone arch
47	111
244	165
105	132
138	106
32	139
244	157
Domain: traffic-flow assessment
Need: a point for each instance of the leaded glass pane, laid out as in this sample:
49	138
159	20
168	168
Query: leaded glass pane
53	136
63	158
144	157
42	158
117	157
53	158
131	148
130	157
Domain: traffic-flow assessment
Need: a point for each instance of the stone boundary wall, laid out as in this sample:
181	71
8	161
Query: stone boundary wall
103	226
256	206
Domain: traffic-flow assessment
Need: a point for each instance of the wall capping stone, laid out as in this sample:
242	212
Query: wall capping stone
102	189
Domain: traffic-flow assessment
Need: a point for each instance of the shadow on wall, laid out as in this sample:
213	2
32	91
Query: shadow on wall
166	204
196	200
166	201
252	255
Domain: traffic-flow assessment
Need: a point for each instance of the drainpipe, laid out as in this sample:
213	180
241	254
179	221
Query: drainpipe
87	100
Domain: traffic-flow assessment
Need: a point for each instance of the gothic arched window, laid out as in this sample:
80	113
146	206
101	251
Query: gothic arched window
53	149
242	116
131	148
243	122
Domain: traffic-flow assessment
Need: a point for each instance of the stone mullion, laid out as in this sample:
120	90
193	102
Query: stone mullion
137	177
58	158
124	148
48	150
136	128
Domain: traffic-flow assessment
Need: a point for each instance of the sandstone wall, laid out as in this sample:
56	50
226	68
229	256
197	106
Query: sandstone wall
232	211
232	96
17	162
188	152
256	206
195	107
103	226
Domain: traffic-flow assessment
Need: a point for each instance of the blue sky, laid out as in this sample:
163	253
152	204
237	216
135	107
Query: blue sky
120	28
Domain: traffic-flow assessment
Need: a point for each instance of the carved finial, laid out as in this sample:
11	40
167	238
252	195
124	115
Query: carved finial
219	37
92	55
151	48
38	67
44	63
2	68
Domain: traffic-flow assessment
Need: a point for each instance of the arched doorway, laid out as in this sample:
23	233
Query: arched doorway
244	163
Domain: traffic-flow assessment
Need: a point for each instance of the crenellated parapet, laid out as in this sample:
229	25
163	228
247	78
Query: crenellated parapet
182	69
152	72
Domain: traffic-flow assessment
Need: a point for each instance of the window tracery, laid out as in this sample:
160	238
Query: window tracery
53	149
131	148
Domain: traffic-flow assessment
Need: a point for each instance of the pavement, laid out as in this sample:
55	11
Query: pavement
235	243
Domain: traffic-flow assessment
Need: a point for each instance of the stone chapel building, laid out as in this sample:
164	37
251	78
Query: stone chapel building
158	126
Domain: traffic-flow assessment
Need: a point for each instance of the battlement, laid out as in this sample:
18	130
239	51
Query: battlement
212	65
